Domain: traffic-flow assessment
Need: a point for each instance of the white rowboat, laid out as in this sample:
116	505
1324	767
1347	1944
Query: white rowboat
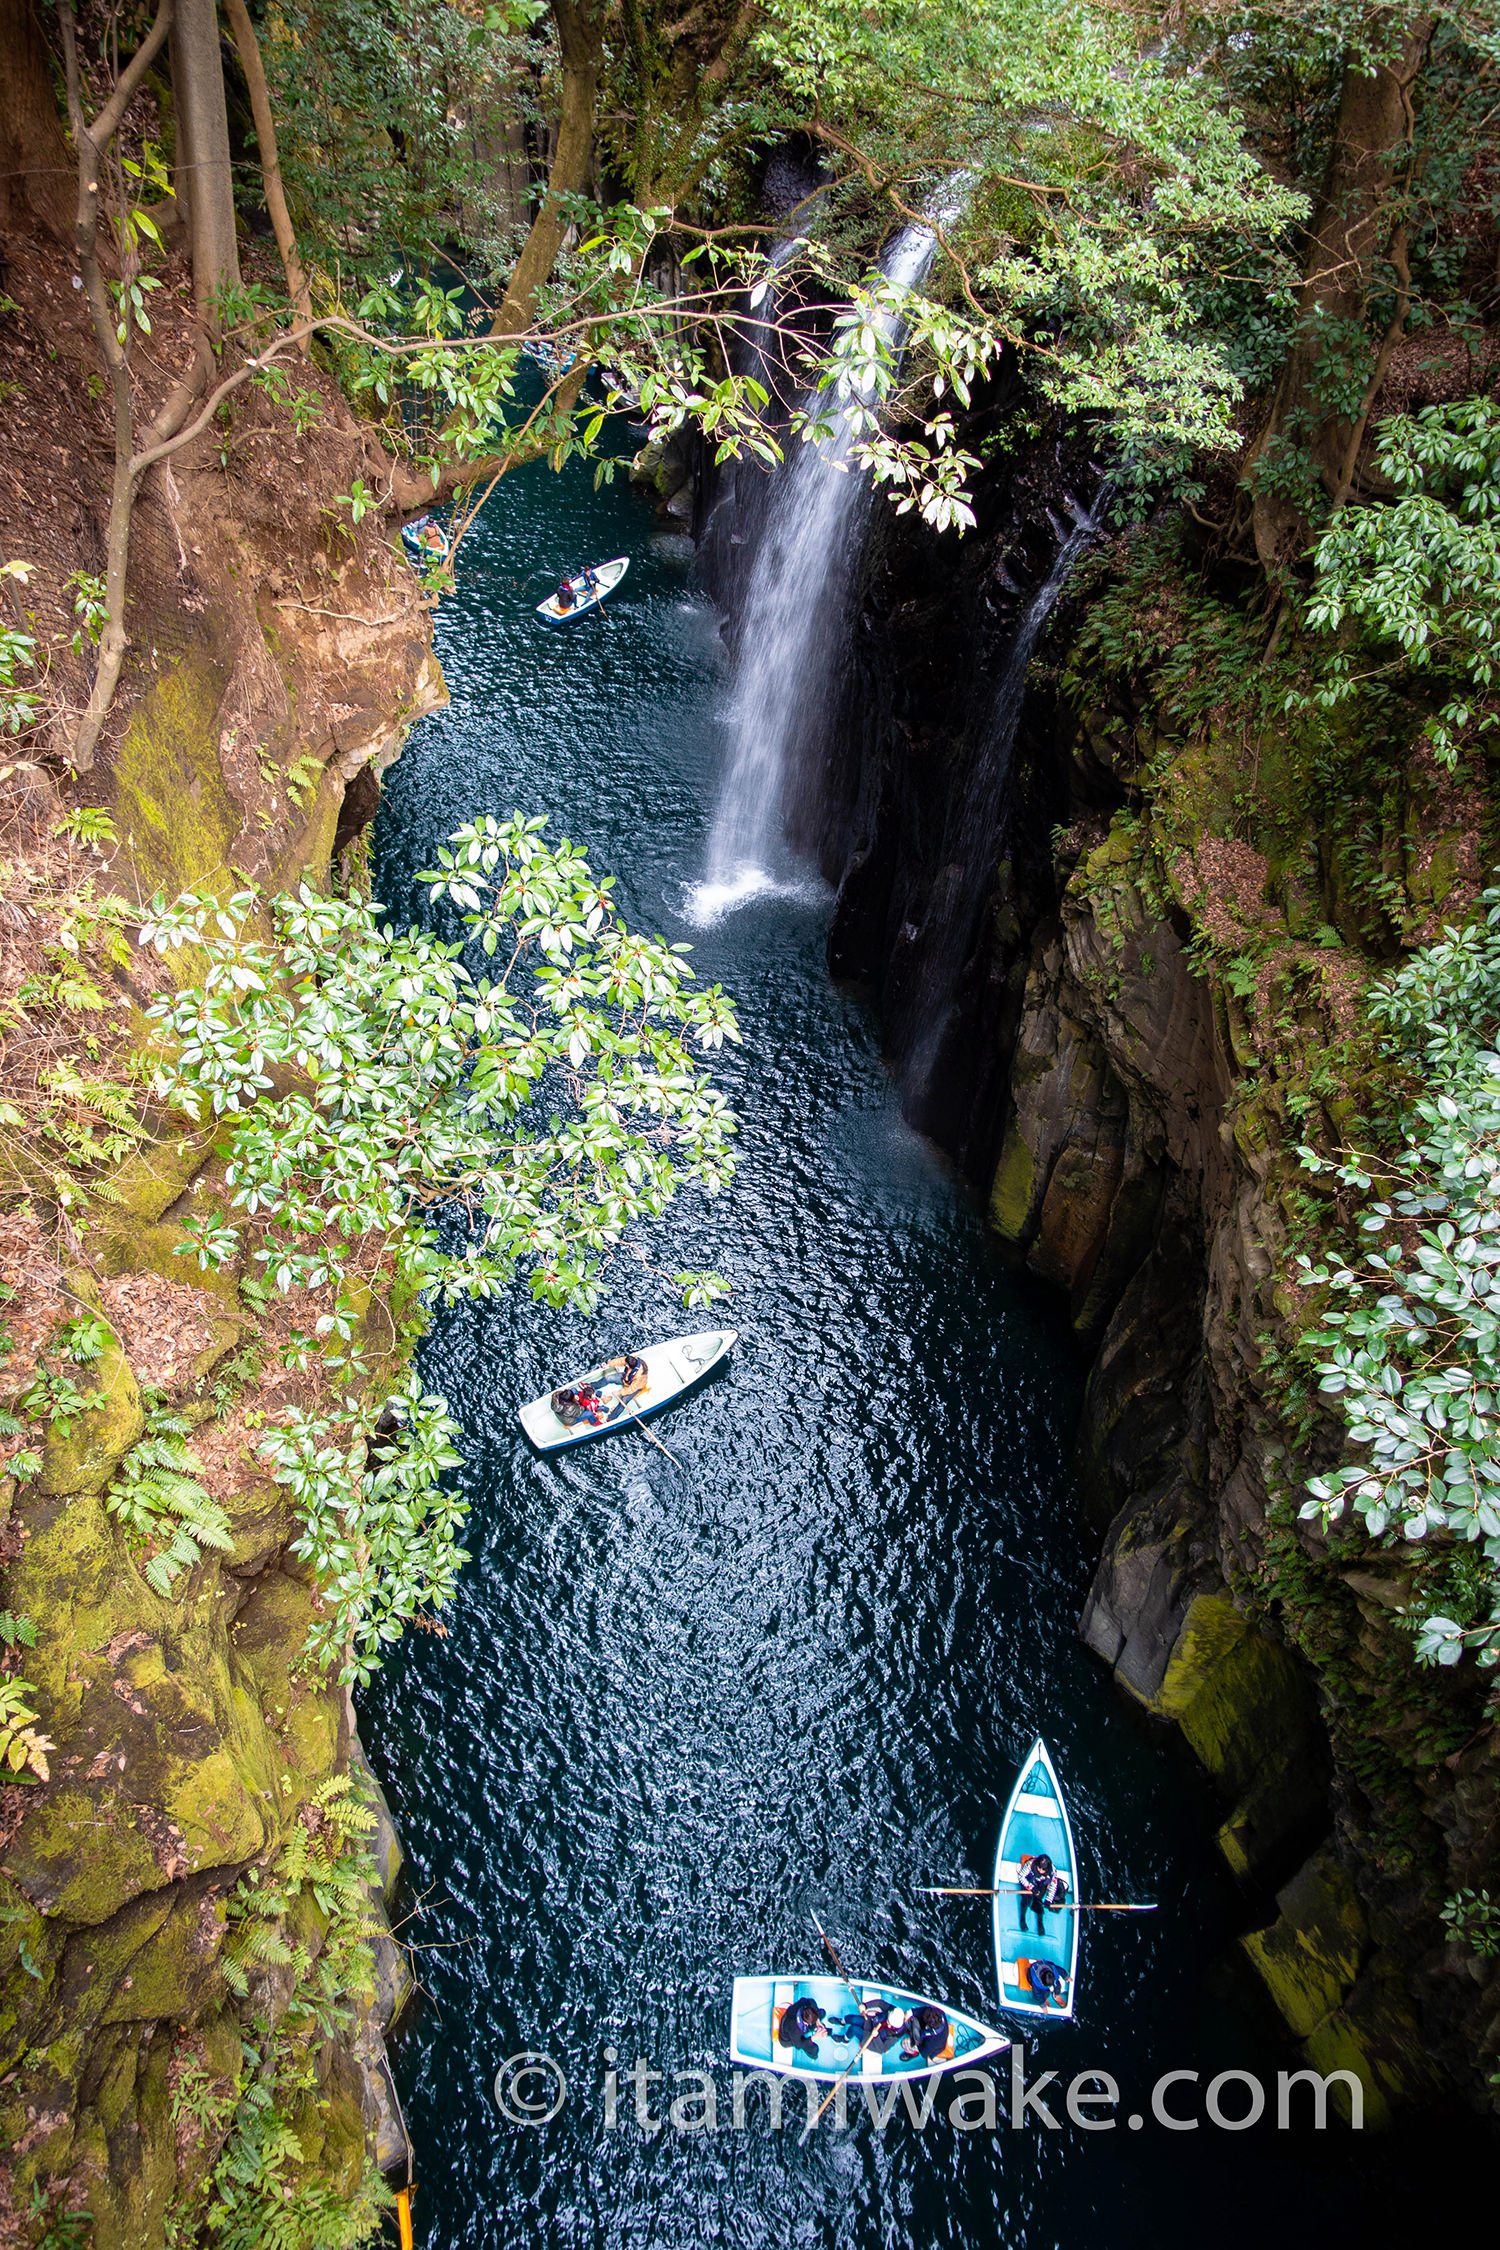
671	1369
606	576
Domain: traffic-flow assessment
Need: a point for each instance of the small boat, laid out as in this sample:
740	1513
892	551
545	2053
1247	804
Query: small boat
425	539
606	577
1036	1821
610	1403
759	2004
553	359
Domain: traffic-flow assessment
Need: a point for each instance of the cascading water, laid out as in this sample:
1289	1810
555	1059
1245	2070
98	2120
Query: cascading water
796	625
972	850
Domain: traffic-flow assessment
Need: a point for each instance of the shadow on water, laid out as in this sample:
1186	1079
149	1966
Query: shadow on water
684	1703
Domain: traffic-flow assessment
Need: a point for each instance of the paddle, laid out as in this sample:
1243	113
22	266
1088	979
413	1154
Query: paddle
655	1440
841	2080
832	1953
1091	1906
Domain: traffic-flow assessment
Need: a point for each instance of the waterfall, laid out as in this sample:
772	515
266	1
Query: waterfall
975	834
794	630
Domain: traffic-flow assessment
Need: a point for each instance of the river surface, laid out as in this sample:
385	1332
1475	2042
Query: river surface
685	1703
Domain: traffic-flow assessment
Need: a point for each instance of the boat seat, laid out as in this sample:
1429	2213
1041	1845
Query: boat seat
1040	1808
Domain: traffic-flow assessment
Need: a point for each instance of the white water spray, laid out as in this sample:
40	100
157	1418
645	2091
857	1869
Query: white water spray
796	622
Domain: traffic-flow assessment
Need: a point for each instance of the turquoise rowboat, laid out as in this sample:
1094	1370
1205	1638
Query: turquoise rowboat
758	2008
670	1370
1036	1821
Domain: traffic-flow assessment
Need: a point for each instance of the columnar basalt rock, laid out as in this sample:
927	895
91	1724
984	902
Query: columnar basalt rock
1107	1090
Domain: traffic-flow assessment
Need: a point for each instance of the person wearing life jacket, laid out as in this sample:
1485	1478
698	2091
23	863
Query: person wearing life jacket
926	2033
799	2026
874	2026
1047	1980
1041	1887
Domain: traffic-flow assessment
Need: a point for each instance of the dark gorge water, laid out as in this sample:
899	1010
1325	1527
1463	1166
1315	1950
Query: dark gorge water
684	1703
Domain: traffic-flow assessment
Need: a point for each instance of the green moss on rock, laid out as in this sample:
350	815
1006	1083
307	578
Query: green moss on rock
177	819
1310	1956
81	1455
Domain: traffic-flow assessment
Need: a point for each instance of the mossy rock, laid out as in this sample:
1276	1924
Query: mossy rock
1244	1704
1014	1199
267	1639
1376	2036
173	809
154	1175
83	1454
173	1770
1309	1957
119	1245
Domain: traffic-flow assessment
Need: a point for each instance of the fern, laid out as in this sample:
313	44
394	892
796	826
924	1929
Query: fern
157	1496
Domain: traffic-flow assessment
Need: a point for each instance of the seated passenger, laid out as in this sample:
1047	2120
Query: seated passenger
1047	1981
565	597
926	2033
799	2026
890	2027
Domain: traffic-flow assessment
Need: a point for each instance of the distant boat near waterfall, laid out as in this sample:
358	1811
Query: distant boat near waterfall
625	1390
425	540
577	596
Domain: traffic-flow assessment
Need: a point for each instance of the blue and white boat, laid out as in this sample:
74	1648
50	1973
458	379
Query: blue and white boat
588	590
758	2010
425	540
609	1398
1036	1821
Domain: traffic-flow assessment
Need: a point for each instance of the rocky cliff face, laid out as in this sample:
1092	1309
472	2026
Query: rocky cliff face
1065	1009
155	1930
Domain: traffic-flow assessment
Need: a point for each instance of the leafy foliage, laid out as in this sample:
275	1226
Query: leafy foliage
423	1081
1423	573
1408	1341
379	1524
23	1747
162	1503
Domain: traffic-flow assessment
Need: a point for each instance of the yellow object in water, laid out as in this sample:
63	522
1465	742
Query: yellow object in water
403	2215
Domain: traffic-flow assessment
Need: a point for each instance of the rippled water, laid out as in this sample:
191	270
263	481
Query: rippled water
684	1703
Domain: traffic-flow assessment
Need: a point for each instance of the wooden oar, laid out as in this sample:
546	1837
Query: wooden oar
832	1952
1092	1906
841	2080
655	1440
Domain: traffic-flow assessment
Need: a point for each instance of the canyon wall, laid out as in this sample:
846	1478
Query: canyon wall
1066	1011
279	652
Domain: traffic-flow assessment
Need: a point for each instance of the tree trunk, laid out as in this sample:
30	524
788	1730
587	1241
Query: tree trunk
270	166
36	163
1357	214
203	165
582	60
91	140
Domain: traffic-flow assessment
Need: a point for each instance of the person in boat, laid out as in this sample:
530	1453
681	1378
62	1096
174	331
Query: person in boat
433	540
926	2033
1047	1980
591	578
621	1380
874	2025
1041	1888
800	2025
565	596
579	1402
